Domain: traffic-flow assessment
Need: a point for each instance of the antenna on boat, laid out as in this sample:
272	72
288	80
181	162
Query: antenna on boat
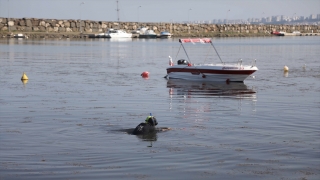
185	51
216	51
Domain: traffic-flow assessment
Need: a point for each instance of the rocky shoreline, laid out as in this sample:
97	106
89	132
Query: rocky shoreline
54	28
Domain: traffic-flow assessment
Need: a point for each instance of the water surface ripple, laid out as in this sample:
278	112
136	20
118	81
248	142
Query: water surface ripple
70	120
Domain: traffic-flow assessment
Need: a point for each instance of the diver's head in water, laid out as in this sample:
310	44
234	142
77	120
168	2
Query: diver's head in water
147	127
151	120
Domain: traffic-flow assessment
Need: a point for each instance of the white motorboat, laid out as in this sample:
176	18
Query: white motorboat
208	72
118	33
19	36
165	34
147	33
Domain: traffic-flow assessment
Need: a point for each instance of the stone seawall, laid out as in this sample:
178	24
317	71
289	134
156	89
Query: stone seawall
73	27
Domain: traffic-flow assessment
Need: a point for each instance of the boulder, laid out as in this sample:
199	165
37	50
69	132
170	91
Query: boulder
35	28
4	21
104	26
95	25
22	23
35	22
28	22
86	24
42	23
11	23
21	28
42	28
88	30
28	29
4	28
67	24
72	24
62	29
50	29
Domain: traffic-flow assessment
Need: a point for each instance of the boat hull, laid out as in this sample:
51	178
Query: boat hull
118	35
211	73
148	36
165	36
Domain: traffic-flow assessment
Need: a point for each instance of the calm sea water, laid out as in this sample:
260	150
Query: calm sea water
70	120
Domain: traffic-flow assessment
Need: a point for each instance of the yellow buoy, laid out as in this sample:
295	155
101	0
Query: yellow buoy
285	69
24	76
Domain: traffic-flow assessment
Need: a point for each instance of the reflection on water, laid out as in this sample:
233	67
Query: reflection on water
24	81
209	89
71	120
152	136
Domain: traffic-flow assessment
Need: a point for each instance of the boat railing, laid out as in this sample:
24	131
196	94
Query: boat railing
240	62
255	61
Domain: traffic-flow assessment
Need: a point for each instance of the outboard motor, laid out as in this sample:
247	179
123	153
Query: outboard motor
182	62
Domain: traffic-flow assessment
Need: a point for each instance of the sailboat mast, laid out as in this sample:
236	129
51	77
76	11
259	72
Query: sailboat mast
118	12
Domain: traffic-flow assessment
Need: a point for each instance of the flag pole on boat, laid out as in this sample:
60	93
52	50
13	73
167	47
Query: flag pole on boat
216	51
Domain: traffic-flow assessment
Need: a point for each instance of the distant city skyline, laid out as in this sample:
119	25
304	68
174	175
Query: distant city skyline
156	10
311	19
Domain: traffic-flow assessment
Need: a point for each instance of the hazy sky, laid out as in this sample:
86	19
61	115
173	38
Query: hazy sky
156	10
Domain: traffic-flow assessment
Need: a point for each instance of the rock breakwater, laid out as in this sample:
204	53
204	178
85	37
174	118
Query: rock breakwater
71	28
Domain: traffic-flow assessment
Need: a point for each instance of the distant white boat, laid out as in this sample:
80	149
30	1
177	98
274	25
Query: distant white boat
294	33
19	36
118	33
165	34
147	33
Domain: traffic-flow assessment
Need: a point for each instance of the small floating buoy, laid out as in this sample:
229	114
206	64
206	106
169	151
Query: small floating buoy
145	74
285	69
24	76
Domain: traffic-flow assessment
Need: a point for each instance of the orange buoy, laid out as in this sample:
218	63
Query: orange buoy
145	74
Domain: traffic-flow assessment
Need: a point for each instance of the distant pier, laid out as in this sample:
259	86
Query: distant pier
51	28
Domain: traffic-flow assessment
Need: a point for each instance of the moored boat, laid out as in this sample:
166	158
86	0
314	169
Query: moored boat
147	33
278	33
19	36
165	34
117	33
294	33
208	72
